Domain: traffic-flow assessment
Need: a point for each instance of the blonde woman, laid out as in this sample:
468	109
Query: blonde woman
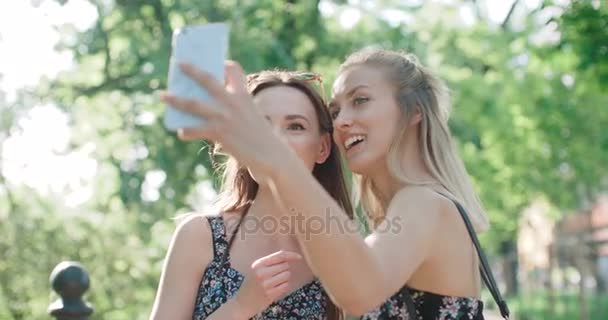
390	122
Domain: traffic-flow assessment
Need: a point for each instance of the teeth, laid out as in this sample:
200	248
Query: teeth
350	141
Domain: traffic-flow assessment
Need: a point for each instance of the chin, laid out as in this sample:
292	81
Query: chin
366	164
360	166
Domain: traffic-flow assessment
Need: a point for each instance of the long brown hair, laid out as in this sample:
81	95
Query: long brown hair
418	89
239	189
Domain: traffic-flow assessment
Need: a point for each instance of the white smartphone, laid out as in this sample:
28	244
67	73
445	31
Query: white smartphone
205	46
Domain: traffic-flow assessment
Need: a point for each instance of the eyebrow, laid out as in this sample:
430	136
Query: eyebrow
296	116
292	117
352	91
349	94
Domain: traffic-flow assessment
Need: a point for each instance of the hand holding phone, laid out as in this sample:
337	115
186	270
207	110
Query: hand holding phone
204	46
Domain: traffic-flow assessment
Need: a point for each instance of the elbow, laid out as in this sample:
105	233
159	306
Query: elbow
359	301
356	298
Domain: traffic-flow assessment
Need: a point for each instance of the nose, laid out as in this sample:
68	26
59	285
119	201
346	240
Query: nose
343	121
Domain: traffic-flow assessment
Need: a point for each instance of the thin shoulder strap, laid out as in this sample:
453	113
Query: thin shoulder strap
218	232
484	268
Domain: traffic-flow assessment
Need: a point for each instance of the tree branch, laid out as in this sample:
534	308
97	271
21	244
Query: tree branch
477	10
505	22
108	84
163	19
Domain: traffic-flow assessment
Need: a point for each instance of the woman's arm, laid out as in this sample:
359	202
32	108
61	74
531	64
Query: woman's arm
358	274
191	249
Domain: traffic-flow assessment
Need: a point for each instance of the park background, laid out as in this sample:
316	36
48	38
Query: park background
88	173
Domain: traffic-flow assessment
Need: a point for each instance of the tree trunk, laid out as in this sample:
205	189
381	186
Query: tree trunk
510	267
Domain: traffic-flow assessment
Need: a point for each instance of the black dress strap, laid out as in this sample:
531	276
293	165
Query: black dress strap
484	268
218	231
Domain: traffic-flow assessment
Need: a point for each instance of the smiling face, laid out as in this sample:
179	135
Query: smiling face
366	116
298	115
293	118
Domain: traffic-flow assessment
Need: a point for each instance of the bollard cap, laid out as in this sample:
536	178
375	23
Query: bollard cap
70	280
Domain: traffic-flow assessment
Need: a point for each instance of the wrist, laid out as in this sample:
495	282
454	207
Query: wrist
239	310
278	158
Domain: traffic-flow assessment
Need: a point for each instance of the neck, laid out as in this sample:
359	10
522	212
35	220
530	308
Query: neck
385	184
411	164
266	213
263	204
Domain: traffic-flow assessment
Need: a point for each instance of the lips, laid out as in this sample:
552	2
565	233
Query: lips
353	140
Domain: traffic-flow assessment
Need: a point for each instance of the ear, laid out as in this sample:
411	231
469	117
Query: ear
324	148
416	117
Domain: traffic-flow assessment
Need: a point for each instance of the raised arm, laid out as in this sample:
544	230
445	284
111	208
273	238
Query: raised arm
359	274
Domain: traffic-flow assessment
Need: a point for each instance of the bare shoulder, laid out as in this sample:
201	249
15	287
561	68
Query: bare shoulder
193	239
193	225
420	203
194	230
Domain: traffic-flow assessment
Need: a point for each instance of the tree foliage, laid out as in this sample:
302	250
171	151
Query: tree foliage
529	119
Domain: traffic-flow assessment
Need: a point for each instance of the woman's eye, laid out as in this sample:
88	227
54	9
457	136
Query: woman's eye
360	100
295	126
334	114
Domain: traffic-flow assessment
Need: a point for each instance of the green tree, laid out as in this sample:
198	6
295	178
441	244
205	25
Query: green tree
528	118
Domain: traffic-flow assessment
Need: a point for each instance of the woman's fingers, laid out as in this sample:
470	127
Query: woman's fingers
191	106
276	258
276	280
207	81
191	134
264	272
236	81
272	272
277	291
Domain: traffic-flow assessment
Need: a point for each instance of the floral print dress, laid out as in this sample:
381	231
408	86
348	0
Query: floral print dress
220	282
429	306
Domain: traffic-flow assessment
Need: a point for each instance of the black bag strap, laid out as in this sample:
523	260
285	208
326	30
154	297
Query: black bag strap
484	268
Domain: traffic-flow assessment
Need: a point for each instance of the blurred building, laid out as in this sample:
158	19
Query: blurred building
533	245
563	251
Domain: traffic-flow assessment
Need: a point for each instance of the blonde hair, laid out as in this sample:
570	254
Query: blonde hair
418	90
